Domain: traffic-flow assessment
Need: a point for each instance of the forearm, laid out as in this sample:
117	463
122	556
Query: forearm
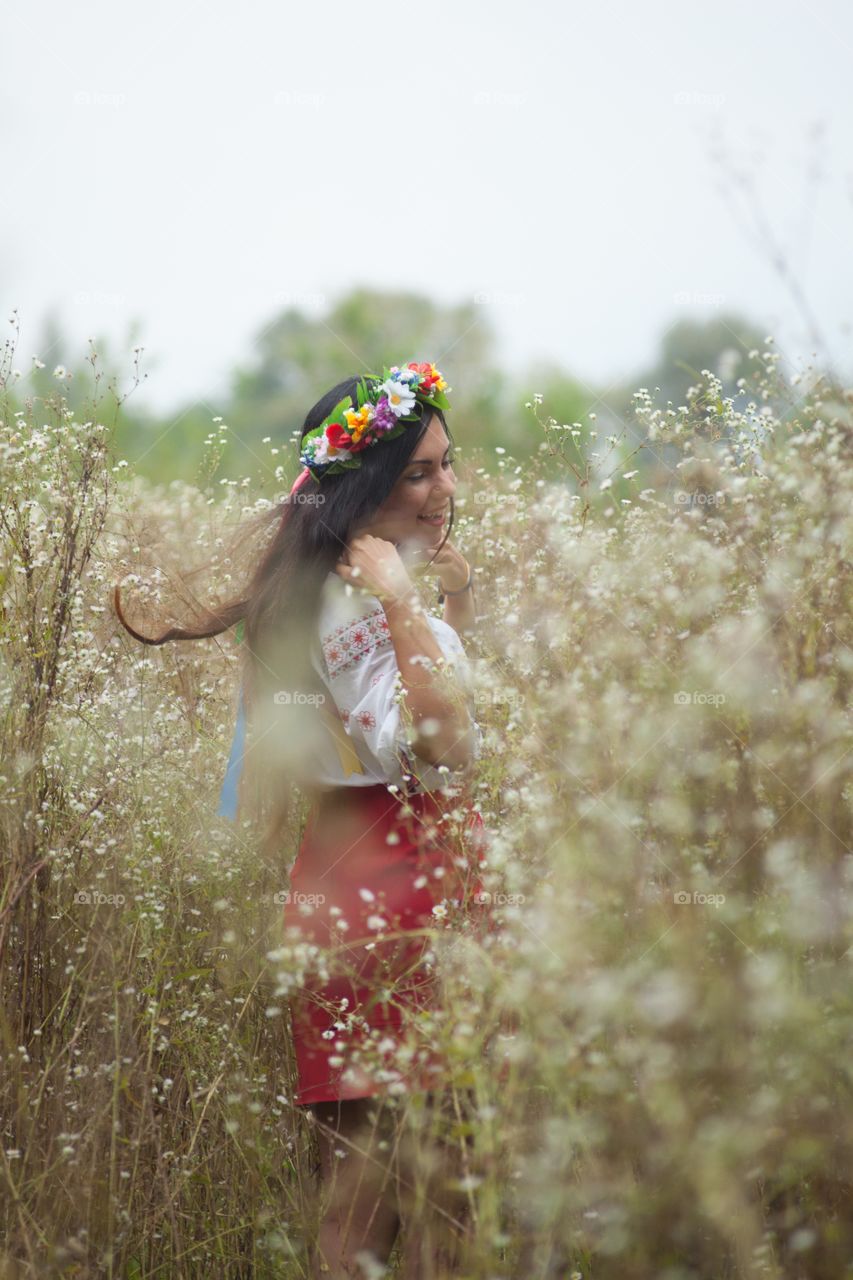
429	693
460	612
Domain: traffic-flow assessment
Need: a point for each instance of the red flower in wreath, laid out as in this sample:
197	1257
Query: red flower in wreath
337	436
428	378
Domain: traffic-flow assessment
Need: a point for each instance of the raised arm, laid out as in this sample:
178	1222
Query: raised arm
435	703
437	706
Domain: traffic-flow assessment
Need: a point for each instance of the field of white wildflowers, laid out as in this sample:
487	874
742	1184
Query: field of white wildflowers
664	664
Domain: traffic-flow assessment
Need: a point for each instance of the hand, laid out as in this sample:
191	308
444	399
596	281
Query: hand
374	564
448	564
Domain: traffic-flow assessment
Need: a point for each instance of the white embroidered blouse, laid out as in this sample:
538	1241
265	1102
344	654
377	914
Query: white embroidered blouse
355	659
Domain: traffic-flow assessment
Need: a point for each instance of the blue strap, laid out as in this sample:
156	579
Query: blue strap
228	794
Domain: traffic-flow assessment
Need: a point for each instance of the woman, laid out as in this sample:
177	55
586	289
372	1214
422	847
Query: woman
359	696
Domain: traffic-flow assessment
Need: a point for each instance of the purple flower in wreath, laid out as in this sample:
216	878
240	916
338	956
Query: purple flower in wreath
384	417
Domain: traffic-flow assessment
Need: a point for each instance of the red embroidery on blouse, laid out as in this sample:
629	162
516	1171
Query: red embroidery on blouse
349	644
366	719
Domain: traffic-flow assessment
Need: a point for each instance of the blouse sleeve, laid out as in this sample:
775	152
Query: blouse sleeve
366	697
358	664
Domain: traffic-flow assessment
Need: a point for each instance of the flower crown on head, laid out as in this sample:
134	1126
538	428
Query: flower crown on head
335	445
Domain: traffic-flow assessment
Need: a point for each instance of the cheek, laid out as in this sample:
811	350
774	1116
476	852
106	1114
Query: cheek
397	514
409	501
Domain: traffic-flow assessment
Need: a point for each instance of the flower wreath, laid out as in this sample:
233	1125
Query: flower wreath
334	446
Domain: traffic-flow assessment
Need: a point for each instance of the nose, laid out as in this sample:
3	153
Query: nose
447	487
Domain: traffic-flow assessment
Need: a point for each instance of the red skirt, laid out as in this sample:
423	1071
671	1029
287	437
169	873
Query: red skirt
371	867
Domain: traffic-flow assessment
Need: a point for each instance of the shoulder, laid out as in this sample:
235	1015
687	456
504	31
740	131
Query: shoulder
352	626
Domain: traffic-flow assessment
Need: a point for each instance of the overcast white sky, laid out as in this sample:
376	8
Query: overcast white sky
194	166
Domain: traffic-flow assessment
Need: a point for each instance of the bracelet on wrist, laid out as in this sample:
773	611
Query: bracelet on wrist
461	591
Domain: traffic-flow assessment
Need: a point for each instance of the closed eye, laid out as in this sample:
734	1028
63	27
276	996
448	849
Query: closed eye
419	475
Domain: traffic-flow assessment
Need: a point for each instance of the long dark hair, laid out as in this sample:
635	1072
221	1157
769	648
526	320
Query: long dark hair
280	604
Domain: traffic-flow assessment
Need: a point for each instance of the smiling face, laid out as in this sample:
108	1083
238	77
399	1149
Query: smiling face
426	485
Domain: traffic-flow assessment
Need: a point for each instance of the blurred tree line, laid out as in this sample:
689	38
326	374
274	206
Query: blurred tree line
295	358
